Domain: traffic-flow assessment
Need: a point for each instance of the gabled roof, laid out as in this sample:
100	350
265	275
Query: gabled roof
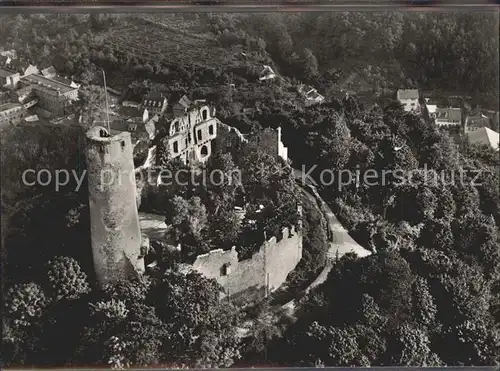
431	108
450	114
407	94
267	73
484	136
454	114
184	101
154	99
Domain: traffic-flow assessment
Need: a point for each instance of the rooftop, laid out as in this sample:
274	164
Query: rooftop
49	71
7	106
451	114
407	94
484	136
184	101
50	83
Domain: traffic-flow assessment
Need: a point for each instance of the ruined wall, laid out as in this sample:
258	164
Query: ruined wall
269	140
269	266
115	229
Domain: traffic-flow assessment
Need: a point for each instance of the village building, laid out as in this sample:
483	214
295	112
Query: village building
409	99
9	78
310	95
450	116
5	60
24	68
476	120
181	107
155	102
484	136
49	72
11	114
53	96
267	73
432	108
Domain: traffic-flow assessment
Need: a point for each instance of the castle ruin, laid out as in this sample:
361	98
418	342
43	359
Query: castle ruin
260	275
115	230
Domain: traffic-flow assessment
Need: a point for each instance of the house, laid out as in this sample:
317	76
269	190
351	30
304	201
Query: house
432	108
189	136
150	126
24	68
5	60
182	106
476	120
66	81
11	113
483	136
49	72
155	103
53	96
8	53
267	73
408	98
450	116
310	95
9	78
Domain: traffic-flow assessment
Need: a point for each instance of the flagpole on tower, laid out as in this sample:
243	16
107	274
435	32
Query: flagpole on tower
106	96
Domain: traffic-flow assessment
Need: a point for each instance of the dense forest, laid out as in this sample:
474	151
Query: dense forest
429	295
452	53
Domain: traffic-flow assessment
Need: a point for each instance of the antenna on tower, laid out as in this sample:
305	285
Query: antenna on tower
106	96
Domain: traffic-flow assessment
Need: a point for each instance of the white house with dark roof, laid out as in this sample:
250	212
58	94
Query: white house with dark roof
408	98
8	78
310	95
450	116
155	103
484	136
267	73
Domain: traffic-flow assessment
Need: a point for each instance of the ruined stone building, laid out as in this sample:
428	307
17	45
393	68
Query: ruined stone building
115	230
190	132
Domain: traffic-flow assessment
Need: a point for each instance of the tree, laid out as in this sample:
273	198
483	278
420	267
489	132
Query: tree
25	306
177	211
202	329
310	64
66	278
411	346
424	307
197	216
92	105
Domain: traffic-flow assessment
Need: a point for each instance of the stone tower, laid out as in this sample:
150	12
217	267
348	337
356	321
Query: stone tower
114	219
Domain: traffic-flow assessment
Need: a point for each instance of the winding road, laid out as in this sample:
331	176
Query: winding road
341	242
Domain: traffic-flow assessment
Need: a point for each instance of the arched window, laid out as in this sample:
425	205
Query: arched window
204	151
204	113
176	126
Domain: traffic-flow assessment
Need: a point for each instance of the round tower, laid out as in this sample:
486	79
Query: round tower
114	219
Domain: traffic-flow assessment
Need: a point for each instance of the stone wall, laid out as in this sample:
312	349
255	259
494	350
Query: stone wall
267	269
